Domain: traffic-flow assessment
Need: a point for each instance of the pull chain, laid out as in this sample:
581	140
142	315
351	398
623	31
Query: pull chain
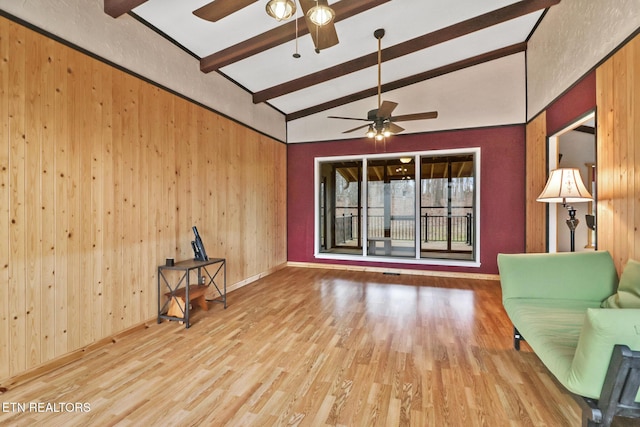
296	54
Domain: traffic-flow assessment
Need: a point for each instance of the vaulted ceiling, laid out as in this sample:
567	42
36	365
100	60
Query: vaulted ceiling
424	41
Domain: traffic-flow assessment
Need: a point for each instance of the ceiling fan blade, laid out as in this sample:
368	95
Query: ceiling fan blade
394	128
218	9
415	116
347	118
386	108
323	36
355	129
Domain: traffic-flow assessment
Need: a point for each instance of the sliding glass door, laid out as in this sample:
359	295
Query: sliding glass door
384	207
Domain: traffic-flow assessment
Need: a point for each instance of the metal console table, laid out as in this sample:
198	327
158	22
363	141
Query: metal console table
181	291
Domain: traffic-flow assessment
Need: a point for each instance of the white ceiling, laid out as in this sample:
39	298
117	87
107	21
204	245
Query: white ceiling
491	93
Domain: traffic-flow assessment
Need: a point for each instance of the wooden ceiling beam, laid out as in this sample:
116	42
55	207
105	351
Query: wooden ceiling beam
456	66
116	8
442	35
279	35
219	9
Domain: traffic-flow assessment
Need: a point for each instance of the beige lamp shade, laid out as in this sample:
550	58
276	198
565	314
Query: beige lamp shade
564	186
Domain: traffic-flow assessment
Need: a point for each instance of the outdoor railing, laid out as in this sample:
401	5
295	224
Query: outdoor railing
344	228
433	228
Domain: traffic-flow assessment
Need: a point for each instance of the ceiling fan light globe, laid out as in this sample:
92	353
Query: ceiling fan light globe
370	132
379	137
321	15
281	9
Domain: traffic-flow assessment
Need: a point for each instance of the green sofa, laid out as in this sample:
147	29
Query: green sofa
555	303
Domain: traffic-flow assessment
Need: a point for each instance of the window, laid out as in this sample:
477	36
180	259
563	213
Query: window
384	208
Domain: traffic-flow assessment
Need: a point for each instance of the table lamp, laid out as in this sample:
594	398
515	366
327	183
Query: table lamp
565	186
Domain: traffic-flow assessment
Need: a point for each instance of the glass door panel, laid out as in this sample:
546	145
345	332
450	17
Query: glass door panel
341	207
391	207
447	207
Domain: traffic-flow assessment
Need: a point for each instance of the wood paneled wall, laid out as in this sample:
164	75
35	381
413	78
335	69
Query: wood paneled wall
618	151
618	160
536	177
102	176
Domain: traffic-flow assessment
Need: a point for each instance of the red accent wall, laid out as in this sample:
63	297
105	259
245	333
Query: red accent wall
576	102
502	182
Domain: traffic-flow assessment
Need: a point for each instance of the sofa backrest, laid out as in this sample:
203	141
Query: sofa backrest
589	276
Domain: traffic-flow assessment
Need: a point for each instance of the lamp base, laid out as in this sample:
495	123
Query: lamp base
572	223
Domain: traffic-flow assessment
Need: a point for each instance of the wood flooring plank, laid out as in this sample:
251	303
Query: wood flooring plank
301	347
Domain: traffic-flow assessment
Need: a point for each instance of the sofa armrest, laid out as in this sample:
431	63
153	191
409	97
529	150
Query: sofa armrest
618	392
589	276
603	328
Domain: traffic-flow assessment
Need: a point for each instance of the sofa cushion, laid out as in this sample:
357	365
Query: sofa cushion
552	328
602	329
628	295
574	339
587	276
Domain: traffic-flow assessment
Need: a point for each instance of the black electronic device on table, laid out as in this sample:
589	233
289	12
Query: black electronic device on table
200	254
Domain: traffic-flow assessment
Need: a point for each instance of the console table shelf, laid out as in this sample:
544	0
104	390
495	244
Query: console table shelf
179	292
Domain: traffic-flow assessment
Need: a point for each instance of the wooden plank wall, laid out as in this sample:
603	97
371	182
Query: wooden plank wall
102	176
618	151
536	177
618	160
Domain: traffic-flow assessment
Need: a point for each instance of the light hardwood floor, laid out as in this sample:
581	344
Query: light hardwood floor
313	347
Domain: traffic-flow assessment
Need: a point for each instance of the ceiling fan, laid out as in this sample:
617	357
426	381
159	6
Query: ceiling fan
323	34
381	123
